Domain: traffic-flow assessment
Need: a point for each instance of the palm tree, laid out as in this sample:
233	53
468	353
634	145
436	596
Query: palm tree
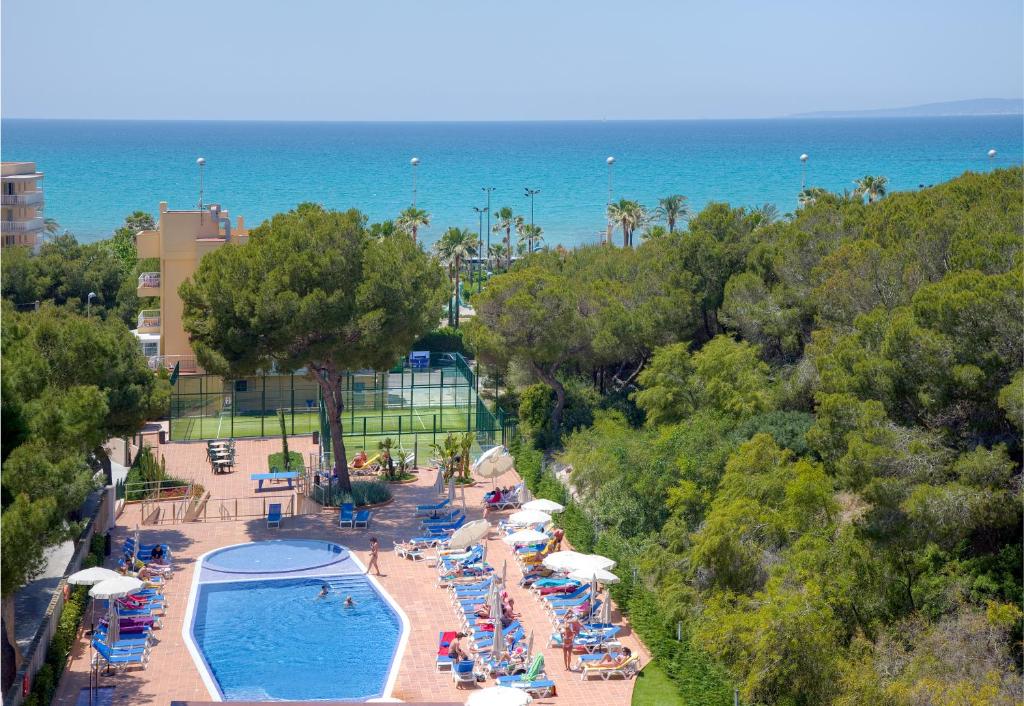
653	232
384	229
810	195
453	248
506	221
672	208
872	186
530	236
630	215
412	219
497	253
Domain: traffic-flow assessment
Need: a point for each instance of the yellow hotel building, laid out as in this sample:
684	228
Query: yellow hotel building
180	241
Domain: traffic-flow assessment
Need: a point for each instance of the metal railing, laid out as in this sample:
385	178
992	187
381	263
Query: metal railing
185	363
25	198
26	226
149	279
224	509
149	318
157	490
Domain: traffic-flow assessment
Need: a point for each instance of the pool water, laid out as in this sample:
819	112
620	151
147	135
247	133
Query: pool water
273	639
275	556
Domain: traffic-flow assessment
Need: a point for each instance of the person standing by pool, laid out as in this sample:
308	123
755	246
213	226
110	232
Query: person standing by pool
568	632
374	556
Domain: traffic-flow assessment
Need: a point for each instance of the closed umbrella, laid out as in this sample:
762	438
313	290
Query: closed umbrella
529	647
525	536
499	696
451	491
529	517
504	571
115	587
605	616
439	482
469	534
571	561
499	641
544	505
113	623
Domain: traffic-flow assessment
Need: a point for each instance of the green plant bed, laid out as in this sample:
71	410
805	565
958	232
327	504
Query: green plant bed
465	481
654	688
400	478
364	492
275	461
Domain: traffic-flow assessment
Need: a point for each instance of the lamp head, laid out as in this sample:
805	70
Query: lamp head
201	161
803	157
415	161
991	153
610	161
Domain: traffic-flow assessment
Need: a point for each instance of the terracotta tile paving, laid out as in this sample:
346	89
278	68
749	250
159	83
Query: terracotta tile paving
172	673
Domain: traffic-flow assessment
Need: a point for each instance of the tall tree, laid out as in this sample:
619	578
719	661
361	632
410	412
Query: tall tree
530	236
453	248
411	220
673	209
630	215
505	222
312	289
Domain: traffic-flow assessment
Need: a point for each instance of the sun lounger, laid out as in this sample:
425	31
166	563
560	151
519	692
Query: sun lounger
135	641
117	659
362	519
346	515
431	510
462	673
444	639
409	551
274	515
449	519
538	688
627	670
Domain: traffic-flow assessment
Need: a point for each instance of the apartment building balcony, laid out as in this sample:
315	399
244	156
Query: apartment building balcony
30	225
186	363
25	198
149	321
149	284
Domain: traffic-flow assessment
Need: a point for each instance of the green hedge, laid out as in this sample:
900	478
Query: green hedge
364	492
443	340
276	460
696	676
44	685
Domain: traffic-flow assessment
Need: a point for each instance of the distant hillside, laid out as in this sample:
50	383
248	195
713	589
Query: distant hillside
978	106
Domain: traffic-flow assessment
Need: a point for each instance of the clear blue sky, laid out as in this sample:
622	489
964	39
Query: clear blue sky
500	60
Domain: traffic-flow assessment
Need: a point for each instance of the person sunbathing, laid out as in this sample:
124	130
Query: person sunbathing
493	497
455	651
612	660
359	460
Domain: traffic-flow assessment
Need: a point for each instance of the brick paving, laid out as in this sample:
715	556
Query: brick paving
172	674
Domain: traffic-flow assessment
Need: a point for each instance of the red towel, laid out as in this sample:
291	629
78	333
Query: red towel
565	588
446	639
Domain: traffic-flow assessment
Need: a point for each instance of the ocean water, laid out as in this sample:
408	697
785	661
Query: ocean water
99	171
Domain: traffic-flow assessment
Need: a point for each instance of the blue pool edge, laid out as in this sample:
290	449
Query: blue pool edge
206	673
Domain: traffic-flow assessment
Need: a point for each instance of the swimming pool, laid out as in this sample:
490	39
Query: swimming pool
269	637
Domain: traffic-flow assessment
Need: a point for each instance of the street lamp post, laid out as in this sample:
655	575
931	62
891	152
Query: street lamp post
480	239
610	161
88	304
530	193
488	189
803	172
415	162
202	164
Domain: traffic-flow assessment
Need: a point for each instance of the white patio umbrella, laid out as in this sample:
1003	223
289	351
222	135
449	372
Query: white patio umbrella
487	455
451	491
469	534
571	561
499	696
91	576
504	571
529	647
439	482
498	647
525	536
593	573
544	505
116	587
495	466
529	517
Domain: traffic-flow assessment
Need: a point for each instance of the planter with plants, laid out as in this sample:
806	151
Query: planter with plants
453	457
394	467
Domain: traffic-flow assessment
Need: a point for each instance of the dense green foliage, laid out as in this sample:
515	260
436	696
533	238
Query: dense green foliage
44	685
312	289
276	461
443	340
824	496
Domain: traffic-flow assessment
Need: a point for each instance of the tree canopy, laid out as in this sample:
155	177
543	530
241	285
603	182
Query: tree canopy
313	290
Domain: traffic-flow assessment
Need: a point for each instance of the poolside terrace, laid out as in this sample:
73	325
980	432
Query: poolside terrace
172	675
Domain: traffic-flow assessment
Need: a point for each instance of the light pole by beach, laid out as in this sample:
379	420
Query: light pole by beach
530	193
803	172
202	164
488	189
992	154
88	304
480	238
610	162
415	162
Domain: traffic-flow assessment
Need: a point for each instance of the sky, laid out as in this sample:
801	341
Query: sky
490	60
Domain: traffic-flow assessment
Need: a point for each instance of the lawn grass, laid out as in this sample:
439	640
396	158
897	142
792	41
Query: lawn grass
654	688
276	460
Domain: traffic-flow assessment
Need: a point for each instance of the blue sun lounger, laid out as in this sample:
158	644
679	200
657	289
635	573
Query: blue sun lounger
346	515
362	519
118	659
431	510
274	515
539	688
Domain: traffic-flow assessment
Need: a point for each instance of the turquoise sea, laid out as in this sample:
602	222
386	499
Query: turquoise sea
98	171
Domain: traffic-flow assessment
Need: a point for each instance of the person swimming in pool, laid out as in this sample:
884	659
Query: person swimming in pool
349	603
324	591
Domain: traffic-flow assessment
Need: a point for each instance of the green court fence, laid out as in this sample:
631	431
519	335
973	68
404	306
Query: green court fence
425	402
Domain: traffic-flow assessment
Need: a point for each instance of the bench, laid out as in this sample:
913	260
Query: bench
261	477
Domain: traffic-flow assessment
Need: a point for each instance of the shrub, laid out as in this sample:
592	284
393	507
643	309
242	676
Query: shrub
537	401
442	340
366	492
276	460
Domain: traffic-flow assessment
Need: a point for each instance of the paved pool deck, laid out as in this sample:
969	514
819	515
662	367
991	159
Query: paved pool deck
173	676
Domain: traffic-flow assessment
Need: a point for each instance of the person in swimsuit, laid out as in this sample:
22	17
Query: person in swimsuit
455	651
349	603
610	660
374	556
324	590
568	632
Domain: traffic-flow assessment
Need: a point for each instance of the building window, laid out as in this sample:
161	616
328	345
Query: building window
150	348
